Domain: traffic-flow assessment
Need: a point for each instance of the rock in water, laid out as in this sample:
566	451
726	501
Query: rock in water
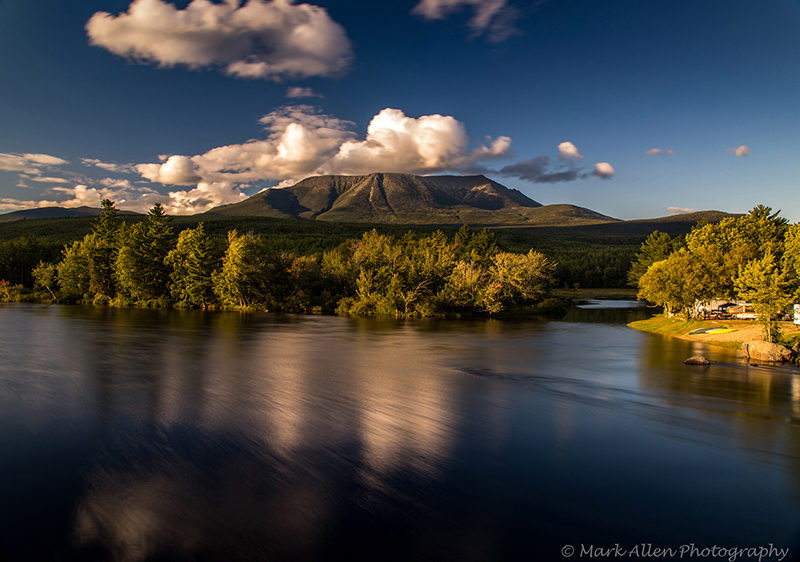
697	360
766	351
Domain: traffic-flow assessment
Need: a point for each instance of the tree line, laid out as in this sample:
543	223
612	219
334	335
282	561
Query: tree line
755	258
144	264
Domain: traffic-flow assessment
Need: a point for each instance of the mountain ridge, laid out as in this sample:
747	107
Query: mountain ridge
56	213
405	198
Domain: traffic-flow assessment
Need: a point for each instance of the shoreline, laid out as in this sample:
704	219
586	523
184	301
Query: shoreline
744	330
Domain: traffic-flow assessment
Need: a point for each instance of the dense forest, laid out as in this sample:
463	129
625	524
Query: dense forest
147	263
755	258
584	257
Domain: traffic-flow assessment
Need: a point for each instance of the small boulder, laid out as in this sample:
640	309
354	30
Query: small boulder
696	360
766	351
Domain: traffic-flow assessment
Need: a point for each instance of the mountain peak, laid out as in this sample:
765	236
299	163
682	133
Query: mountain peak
390	197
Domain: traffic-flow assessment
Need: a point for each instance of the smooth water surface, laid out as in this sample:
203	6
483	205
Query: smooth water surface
147	435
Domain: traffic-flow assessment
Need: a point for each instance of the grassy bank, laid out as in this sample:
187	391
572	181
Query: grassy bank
744	330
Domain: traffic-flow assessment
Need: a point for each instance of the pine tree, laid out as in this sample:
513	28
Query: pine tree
658	246
140	269
101	247
192	263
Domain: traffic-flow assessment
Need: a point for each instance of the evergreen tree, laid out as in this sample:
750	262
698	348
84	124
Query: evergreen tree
193	262
658	246
140	269
101	248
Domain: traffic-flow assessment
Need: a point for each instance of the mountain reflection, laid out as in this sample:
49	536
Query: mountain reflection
252	440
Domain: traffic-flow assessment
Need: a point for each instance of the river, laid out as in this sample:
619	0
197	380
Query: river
161	435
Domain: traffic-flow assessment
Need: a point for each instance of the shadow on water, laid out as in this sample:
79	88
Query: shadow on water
152	435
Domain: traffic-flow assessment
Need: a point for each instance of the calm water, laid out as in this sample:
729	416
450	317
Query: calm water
143	435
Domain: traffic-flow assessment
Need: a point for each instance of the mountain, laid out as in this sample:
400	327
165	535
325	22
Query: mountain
406	198
55	213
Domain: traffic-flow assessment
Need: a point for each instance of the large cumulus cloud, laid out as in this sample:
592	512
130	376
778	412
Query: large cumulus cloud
426	144
302	141
260	39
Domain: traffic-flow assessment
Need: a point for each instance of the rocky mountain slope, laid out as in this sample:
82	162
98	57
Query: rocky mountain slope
406	198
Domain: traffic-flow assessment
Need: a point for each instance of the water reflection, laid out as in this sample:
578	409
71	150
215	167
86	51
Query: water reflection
229	436
608	311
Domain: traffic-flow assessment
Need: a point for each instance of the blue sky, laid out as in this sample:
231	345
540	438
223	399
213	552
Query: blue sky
202	103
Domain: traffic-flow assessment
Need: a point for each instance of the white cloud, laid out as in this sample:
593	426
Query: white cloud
46	179
117	183
739	151
303	142
568	151
260	39
299	141
28	163
680	210
427	144
82	196
662	151
495	18
177	170
9	204
108	166
299	92
604	170
205	196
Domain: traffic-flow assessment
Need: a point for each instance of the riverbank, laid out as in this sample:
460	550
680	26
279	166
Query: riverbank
743	330
623	293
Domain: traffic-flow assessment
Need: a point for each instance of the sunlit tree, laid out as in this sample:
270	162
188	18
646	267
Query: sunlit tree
761	283
192	263
45	276
139	267
251	276
73	271
658	246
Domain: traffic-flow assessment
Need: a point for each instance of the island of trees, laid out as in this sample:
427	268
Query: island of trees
755	258
146	265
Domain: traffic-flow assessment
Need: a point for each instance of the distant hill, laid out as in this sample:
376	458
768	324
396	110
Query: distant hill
55	213
674	225
390	198
692	218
